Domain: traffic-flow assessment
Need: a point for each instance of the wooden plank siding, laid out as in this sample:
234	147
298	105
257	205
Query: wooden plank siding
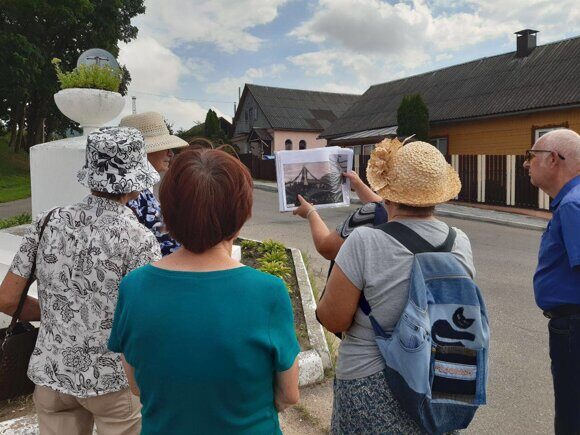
502	135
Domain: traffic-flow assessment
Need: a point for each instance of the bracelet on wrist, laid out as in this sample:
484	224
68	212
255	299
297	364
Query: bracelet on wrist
312	210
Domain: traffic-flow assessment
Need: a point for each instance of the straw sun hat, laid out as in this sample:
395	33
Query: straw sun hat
414	174
152	127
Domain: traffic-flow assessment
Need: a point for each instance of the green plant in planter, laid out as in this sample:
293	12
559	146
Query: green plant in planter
281	256
249	245
89	76
276	268
271	246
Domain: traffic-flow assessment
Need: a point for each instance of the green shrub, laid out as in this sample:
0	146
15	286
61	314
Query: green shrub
21	219
276	268
249	244
274	256
89	76
271	246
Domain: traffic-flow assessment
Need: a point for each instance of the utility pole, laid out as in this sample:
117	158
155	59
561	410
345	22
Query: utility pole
134	105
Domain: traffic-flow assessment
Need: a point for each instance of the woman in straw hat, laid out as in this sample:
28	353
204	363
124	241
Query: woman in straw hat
411	179
159	145
85	250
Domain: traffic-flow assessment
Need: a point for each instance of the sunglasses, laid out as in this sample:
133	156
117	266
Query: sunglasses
530	154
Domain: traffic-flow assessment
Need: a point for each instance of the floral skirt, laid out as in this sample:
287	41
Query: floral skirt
367	406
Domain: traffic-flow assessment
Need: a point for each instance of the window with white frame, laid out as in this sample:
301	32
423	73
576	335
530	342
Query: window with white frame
539	132
441	143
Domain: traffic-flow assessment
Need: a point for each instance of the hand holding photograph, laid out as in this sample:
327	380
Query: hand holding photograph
316	175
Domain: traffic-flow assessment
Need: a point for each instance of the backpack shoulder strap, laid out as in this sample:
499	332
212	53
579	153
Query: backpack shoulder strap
413	241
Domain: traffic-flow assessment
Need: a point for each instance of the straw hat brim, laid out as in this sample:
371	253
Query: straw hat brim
449	189
163	142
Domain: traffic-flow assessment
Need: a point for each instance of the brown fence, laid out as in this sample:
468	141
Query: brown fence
468	177
495	179
526	194
261	169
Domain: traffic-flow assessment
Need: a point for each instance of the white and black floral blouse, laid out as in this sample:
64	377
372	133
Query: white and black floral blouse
85	250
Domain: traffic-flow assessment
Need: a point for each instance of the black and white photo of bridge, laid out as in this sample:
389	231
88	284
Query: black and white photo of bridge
317	182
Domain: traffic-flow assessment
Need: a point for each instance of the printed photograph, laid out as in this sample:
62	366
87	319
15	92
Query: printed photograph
317	182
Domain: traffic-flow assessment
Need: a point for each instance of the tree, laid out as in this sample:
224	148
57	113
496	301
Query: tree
36	31
212	125
413	118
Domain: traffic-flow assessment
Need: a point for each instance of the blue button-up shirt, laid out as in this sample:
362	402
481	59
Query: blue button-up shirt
557	278
148	211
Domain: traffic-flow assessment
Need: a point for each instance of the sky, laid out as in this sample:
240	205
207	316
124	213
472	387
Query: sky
193	55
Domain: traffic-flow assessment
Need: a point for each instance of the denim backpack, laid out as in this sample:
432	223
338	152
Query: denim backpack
436	356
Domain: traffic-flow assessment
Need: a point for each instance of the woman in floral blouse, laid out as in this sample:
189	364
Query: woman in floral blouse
158	146
85	250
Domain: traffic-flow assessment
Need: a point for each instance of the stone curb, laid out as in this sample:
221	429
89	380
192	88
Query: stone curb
447	213
315	332
492	220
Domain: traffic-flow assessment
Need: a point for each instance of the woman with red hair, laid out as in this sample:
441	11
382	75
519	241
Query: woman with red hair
208	343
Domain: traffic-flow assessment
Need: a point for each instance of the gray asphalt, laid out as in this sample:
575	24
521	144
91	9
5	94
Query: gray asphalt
15	208
520	399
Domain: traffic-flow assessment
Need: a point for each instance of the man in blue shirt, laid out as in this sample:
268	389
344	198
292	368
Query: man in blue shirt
554	166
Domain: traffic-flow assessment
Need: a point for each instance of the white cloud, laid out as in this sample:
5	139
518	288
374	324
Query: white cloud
153	67
377	41
182	114
228	86
225	23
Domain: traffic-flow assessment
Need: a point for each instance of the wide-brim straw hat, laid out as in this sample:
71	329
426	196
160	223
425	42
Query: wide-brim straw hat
414	174
116	162
153	128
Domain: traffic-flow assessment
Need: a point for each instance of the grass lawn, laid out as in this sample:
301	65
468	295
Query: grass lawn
14	173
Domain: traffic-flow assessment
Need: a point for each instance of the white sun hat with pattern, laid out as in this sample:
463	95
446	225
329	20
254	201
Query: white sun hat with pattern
153	128
414	174
116	162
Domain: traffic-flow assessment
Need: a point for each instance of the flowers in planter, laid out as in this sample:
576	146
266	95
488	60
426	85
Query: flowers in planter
89	76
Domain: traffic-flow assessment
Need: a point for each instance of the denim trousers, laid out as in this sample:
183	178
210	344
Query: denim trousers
565	356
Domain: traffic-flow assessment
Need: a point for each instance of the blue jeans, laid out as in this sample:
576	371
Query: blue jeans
565	356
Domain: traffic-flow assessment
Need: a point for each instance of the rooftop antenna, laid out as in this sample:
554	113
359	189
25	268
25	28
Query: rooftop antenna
134	104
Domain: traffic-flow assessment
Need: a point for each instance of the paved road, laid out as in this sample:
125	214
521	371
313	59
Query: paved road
520	392
15	208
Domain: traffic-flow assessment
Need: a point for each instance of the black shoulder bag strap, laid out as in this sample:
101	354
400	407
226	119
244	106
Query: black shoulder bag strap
31	278
414	243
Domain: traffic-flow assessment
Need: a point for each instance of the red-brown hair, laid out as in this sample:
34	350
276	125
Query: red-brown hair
206	197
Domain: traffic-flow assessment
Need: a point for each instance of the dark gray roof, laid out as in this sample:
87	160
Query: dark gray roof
295	109
503	84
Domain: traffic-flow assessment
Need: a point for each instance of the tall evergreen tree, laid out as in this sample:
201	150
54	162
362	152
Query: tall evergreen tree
212	125
413	118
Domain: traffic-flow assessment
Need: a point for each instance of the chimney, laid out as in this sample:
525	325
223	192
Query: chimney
526	42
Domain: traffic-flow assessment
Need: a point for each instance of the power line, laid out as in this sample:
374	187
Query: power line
181	98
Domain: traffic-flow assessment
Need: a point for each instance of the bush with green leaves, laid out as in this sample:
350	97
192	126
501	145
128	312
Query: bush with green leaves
89	76
271	246
281	256
249	245
276	268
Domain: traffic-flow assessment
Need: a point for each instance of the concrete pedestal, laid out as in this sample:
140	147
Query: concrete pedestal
53	173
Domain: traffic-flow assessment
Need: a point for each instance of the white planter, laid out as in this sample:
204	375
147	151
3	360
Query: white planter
91	108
